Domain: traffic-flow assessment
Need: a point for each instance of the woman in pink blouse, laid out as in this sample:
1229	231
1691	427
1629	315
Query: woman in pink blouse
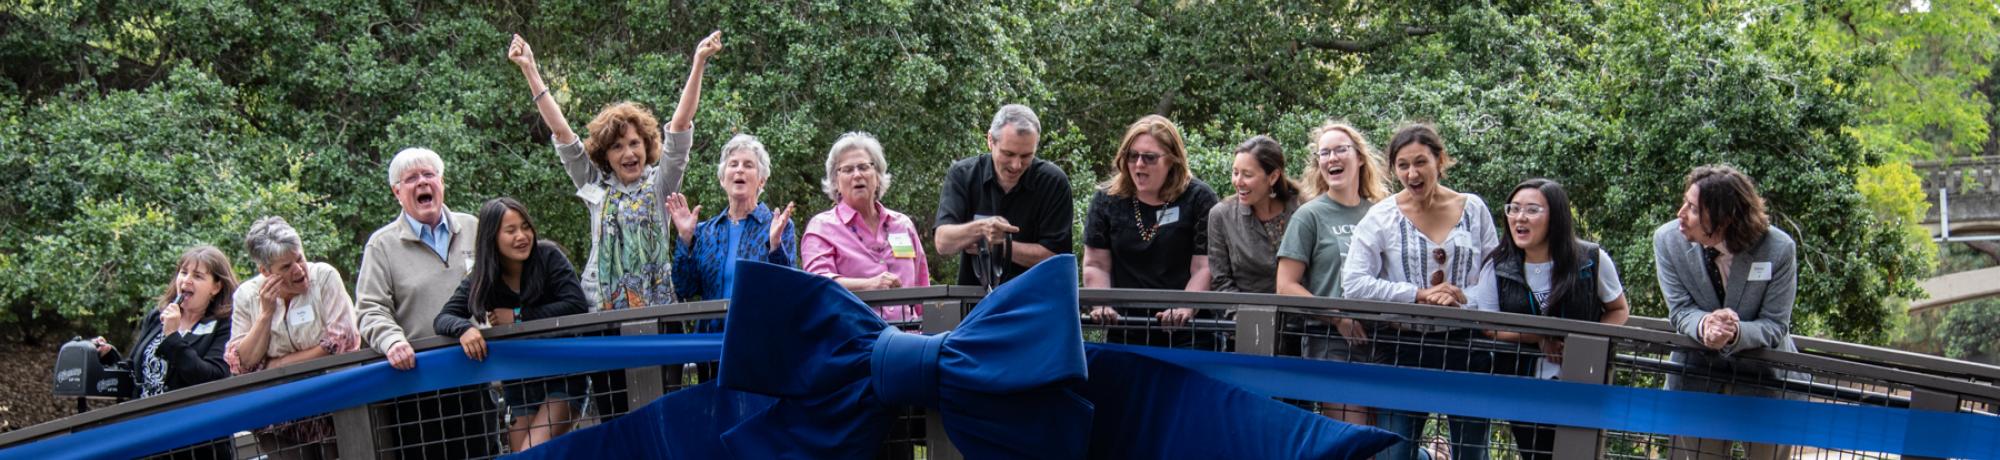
859	243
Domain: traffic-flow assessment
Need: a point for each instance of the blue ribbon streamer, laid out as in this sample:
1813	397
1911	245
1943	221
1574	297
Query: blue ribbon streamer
436	369
1641	410
1860	428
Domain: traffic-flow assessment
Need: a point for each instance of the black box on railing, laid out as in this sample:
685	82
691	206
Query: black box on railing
80	373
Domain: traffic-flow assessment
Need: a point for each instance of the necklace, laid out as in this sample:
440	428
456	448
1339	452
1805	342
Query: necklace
1275	228
1145	232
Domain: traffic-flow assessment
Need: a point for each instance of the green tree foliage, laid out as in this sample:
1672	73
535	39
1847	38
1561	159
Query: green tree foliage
145	127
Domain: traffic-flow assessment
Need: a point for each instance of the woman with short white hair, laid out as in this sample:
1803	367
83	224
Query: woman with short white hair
705	254
859	243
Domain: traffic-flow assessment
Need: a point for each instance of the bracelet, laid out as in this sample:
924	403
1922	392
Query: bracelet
538	96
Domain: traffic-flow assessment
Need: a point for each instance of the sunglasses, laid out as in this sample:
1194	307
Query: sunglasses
1438	255
1148	159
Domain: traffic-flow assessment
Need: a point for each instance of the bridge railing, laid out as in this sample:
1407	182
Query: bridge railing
1405	335
1964	194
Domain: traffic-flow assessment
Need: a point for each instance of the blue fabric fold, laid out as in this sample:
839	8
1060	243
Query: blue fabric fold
1152	409
1002	382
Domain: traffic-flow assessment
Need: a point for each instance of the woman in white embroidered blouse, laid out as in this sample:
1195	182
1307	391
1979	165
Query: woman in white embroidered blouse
1422	245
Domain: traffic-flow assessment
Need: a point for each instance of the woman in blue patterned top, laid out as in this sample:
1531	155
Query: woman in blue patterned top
706	254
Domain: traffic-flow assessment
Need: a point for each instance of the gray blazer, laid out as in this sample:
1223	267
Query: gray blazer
1765	305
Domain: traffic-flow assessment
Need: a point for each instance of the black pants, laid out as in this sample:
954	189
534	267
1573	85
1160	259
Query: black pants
454	423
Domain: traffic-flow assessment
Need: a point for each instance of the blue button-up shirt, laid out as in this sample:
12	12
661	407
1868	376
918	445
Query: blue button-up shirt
438	237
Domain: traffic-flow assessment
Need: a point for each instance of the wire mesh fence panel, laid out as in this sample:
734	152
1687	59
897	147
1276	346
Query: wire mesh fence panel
1978	406
213	449
1402	341
311	438
1648	365
1199	327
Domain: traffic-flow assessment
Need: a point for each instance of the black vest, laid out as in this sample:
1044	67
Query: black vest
1516	297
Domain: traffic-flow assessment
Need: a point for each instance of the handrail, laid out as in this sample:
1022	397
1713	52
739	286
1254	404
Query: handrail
1874	363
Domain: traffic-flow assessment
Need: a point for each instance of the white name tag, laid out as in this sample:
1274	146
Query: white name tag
299	315
902	246
1169	215
1760	271
204	328
592	194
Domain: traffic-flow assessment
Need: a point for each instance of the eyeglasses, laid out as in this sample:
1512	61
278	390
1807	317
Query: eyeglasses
1438	255
418	177
1334	151
863	168
1530	211
1146	158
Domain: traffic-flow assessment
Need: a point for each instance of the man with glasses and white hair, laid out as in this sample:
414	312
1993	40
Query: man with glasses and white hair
1007	210
409	268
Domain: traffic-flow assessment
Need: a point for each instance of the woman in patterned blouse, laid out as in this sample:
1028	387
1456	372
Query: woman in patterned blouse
621	175
181	342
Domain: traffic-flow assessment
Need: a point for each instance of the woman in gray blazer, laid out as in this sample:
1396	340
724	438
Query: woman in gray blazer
1721	252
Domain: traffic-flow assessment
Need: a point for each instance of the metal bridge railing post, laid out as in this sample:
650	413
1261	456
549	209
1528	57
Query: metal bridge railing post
1586	359
1257	330
940	317
642	384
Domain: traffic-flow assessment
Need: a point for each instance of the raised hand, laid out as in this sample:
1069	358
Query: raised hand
520	53
708	47
269	295
778	224
684	219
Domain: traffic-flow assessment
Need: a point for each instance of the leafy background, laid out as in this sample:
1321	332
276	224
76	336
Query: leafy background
131	130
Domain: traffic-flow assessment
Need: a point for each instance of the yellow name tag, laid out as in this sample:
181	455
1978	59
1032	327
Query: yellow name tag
902	246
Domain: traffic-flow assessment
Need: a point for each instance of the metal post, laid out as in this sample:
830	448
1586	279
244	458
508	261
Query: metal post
1931	400
354	432
1256	330
1944	214
642	384
1586	359
938	318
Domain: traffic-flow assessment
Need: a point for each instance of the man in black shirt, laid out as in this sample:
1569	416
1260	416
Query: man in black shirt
1007	210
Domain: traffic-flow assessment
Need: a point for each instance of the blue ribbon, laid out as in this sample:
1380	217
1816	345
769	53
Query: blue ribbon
436	369
1640	410
1860	428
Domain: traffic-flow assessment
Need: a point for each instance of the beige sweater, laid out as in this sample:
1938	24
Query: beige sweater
402	284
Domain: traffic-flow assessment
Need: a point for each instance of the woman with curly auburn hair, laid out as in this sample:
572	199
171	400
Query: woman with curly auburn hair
1147	228
624	173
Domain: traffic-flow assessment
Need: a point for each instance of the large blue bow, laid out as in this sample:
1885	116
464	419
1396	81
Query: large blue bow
1002	381
819	374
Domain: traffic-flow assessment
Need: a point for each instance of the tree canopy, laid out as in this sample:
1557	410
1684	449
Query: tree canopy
135	129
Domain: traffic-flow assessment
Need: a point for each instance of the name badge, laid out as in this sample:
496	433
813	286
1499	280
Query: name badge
299	315
981	216
1169	215
468	266
1760	271
593	194
901	245
204	328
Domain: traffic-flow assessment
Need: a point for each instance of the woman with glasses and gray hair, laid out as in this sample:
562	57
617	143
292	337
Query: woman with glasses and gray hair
859	243
1422	245
293	311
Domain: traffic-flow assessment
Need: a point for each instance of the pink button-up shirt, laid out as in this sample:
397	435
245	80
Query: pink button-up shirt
838	243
